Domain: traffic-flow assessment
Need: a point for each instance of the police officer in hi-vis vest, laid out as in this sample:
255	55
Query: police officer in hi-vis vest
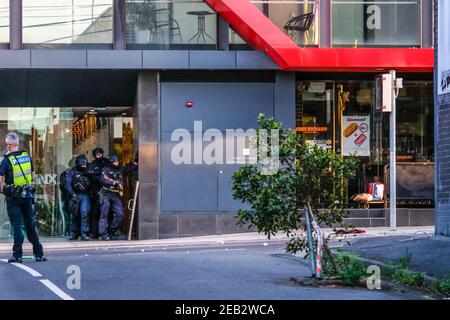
16	177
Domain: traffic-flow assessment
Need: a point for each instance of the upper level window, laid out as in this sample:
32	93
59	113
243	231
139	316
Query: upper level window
4	21
299	19
171	23
67	21
376	23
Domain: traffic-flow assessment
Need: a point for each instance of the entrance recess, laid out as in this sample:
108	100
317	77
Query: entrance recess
53	137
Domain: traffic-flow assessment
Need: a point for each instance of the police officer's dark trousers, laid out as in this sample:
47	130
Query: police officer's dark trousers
95	213
82	215
111	200
21	213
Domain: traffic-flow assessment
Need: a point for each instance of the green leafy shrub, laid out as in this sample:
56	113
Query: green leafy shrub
408	277
352	270
444	286
405	260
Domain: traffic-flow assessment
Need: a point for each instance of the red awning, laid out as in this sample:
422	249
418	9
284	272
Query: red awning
263	35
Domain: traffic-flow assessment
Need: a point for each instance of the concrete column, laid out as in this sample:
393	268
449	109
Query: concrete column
119	25
223	40
427	23
15	24
441	148
325	17
285	93
148	127
266	8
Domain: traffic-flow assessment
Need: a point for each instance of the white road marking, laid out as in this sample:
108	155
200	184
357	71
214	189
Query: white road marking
56	290
34	273
45	282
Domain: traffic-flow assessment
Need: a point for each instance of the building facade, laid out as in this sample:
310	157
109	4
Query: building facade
138	76
442	114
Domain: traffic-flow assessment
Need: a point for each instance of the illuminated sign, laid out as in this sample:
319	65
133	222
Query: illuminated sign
404	158
311	129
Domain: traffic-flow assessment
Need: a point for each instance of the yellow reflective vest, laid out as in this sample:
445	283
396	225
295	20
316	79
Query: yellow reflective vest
21	179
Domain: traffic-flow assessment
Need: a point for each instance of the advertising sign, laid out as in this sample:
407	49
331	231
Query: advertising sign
443	68
356	135
324	144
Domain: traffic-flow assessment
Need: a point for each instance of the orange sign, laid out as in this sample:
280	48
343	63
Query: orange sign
311	129
404	158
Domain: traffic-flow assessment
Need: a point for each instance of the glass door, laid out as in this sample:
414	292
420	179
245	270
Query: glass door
315	116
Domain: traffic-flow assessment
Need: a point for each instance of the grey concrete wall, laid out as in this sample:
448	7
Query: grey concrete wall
442	148
174	225
379	217
284	102
148	128
135	59
188	224
443	167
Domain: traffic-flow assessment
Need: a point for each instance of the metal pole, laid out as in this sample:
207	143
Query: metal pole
325	22
310	241
393	158
119	25
223	42
73	21
15	24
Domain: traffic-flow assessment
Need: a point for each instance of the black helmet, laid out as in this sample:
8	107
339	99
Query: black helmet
97	150
113	158
81	160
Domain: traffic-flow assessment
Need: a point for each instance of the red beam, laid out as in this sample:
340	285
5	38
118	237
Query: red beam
263	35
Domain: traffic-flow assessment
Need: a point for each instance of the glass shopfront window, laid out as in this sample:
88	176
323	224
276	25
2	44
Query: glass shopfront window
341	116
171	22
54	137
4	21
376	23
299	19
67	21
415	117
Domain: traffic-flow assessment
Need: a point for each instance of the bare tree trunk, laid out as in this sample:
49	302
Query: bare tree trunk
325	246
332	258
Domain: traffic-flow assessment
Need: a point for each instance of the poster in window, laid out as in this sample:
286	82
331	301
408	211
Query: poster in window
356	136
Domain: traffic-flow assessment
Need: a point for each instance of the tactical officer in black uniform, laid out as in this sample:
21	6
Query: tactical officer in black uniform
78	184
95	170
111	198
16	171
66	196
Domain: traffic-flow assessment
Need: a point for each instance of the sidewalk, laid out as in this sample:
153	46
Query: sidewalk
51	244
250	237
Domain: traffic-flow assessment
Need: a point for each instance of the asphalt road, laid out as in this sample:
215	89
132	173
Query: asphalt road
247	271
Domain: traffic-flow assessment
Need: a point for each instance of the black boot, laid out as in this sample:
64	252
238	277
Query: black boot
104	237
85	237
73	236
15	260
41	259
118	235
